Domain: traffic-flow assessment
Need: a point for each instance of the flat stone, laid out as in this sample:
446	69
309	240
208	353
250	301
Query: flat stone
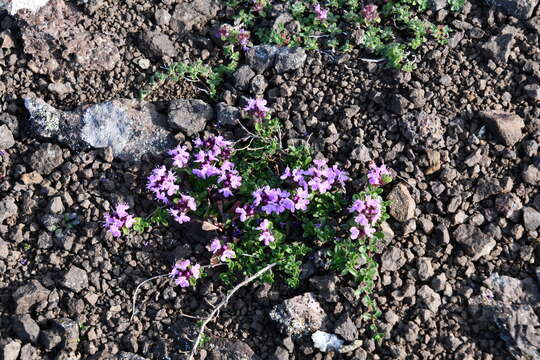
402	204
28	295
423	130
474	241
507	126
130	128
31	178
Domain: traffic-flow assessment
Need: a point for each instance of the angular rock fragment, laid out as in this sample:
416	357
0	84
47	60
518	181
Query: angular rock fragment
189	115
507	126
531	218
402	205
299	315
131	128
499	47
46	158
242	77
69	332
9	349
226	349
521	9
288	59
75	279
196	13
6	138
393	259
475	242
429	298
261	57
227	114
25	328
28	295
8	208
345	328
159	44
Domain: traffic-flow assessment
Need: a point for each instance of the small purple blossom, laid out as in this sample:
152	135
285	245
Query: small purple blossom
243	39
257	108
272	200
223	32
318	178
266	234
258	5
378	175
118	220
222	251
370	13
180	156
162	183
180	207
183	273
321	13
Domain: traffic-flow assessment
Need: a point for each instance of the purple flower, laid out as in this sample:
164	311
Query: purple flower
222	251
180	156
272	200
162	183
301	199
180	207
354	233
257	108
243	39
258	5
118	220
378	176
320	12
266	234
223	32
183	273
369	12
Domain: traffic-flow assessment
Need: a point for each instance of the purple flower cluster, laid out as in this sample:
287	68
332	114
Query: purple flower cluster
184	273
320	177
222	251
234	35
257	108
180	156
162	183
118	220
367	213
378	175
245	212
321	13
370	13
258	5
266	235
272	200
180	207
213	160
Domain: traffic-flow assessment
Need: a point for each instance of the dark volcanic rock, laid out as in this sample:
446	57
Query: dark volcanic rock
225	349
423	130
75	279
288	59
475	242
159	44
505	125
521	9
8	208
189	115
25	328
261	57
196	13
499	47
46	158
131	128
28	295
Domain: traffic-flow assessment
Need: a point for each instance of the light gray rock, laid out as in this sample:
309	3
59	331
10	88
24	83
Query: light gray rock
46	158
531	218
258	84
6	138
187	15
299	315
429	298
532	91
402	205
8	208
345	328
507	126
521	9
226	349
129	127
9	349
531	175
261	57
189	115
326	342
393	259
69	332
425	269
288	59
474	241
75	279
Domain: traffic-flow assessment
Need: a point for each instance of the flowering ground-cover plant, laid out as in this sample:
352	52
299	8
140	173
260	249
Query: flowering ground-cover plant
267	205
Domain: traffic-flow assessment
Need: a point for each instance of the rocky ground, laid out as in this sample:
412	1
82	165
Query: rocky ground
459	272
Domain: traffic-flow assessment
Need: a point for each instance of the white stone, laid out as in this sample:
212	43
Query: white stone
326	342
13	6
